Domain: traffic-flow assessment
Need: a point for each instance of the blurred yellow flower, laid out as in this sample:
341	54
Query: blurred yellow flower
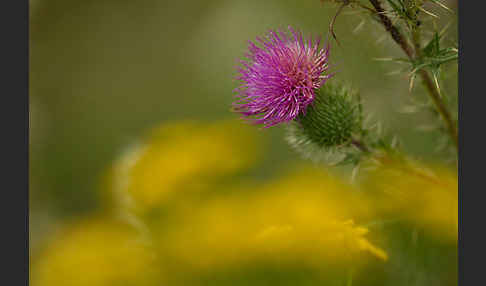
297	218
95	252
181	157
424	195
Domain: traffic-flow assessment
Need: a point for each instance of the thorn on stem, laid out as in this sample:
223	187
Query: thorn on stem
412	78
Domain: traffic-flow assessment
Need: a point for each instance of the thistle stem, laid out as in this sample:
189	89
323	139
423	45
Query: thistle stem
434	94
432	89
394	32
360	145
426	78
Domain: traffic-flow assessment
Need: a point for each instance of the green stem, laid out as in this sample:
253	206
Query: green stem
394	32
431	87
360	145
441	107
412	54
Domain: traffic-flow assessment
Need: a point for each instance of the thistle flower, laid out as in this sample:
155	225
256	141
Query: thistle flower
278	80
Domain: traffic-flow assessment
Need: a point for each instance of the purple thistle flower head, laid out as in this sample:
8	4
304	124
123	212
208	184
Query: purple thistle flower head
278	79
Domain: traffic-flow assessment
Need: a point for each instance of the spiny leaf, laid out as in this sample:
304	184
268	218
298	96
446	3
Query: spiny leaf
433	56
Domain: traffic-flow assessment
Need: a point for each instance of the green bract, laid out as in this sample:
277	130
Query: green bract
331	121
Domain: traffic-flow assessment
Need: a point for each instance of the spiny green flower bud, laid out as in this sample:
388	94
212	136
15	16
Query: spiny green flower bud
329	123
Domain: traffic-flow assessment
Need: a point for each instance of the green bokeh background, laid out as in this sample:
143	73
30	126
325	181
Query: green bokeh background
104	72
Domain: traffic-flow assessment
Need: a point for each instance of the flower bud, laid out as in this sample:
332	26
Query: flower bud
329	123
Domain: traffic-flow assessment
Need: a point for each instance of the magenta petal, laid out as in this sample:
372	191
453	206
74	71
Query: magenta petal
278	79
